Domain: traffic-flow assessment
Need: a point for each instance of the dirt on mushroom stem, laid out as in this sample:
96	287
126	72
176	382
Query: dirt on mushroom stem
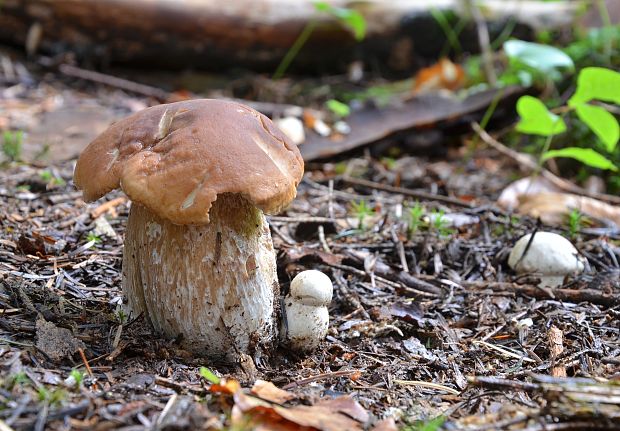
214	285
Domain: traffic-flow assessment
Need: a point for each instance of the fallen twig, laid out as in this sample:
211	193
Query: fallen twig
569	295
430	385
179	387
407	192
504	351
342	373
113	81
107	206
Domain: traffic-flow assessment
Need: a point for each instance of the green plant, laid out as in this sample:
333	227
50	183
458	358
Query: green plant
533	63
339	109
361	210
51	179
415	218
389	162
428	425
12	145
440	224
46	176
595	88
78	377
349	18
446	21
209	376
19	378
121	316
575	222
340	168
55	396
92	236
381	94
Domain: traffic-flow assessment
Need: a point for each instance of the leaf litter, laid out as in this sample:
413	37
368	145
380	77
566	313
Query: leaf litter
428	325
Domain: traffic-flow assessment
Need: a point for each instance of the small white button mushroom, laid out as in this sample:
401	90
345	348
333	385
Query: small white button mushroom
293	128
550	256
306	317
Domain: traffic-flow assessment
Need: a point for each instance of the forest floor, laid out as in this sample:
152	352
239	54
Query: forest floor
429	326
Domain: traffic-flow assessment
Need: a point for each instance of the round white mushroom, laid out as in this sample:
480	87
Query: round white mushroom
306	318
550	256
293	128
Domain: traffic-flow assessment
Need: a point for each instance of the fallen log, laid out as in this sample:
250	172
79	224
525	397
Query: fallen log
256	34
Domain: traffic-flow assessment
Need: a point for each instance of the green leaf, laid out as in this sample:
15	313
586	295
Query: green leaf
602	123
540	57
596	83
352	19
433	425
536	119
338	108
208	375
586	156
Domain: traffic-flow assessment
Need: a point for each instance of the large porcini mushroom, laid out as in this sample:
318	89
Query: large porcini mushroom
198	261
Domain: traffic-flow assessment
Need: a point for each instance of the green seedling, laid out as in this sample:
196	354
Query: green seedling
389	162
51	179
446	21
209	376
575	222
439	223
93	237
78	377
340	168
339	109
430	425
415	218
18	379
55	396
121	316
361	211
12	145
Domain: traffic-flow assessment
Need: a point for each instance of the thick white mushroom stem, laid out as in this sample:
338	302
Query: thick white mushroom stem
214	285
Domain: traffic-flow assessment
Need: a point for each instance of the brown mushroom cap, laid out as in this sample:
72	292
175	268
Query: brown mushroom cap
176	158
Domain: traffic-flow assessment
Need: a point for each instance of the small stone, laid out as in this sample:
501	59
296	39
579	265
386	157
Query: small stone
57	343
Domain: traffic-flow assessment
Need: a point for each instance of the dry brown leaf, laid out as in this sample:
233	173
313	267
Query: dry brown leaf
346	405
295	254
319	417
385	425
269	392
226	386
254	411
553	208
510	196
262	419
